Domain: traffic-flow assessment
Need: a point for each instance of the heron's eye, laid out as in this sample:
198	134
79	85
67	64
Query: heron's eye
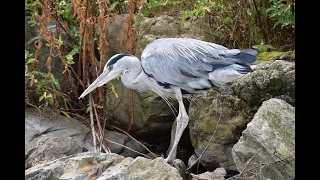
110	67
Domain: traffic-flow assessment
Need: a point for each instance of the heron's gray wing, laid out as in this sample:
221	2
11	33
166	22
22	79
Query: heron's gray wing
179	61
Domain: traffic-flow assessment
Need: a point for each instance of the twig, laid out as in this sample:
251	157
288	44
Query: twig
105	148
79	80
92	122
101	136
34	107
80	47
135	140
248	163
128	148
262	164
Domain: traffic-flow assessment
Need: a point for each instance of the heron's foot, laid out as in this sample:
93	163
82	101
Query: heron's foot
169	160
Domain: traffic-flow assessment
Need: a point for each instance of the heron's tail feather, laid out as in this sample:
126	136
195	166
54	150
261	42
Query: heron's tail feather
246	55
250	51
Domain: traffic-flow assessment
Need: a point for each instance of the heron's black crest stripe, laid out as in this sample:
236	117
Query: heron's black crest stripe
149	75
116	58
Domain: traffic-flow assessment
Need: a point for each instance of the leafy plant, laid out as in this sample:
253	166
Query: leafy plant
42	81
281	13
201	7
263	47
69	56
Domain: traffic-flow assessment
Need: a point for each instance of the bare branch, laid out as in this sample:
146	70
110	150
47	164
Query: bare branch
248	163
135	140
92	122
128	148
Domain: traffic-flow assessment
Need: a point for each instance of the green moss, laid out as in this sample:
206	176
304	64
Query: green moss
267	56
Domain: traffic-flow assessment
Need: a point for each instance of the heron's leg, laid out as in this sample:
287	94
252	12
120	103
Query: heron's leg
182	122
174	132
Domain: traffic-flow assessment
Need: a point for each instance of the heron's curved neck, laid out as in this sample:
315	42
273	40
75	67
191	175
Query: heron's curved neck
134	78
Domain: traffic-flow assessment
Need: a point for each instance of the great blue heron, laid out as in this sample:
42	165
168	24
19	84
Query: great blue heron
174	67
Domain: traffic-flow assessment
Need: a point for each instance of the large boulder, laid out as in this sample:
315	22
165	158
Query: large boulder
142	168
217	174
102	166
49	148
60	129
115	34
45	123
224	113
267	145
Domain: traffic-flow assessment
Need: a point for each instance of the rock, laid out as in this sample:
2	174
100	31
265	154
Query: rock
102	166
220	172
115	35
113	171
180	166
217	174
285	57
125	141
268	80
142	168
152	116
50	148
39	125
235	106
77	166
268	142
48	124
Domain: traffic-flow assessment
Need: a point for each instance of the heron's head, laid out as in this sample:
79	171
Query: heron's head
114	67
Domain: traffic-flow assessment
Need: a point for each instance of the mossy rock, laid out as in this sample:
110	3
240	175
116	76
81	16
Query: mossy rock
272	133
235	106
267	56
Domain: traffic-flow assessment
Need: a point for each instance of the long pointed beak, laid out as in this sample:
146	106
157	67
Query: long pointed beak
101	80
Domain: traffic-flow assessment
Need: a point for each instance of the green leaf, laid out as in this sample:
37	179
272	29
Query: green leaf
113	90
43	96
26	70
66	114
58	42
32	22
88	109
30	60
113	5
51	100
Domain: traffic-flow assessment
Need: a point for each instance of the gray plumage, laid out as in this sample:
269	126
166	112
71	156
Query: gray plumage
172	67
187	63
